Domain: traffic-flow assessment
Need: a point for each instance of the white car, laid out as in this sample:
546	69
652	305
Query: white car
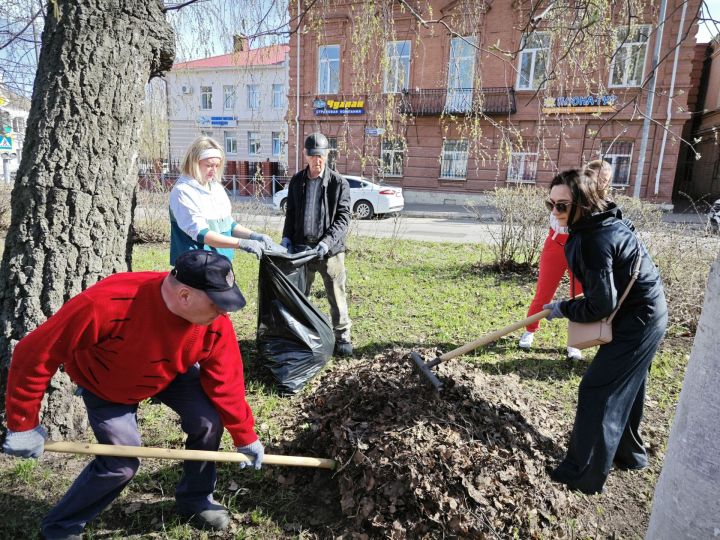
366	199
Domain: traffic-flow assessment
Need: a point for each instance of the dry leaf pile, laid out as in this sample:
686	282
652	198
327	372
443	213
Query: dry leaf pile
468	463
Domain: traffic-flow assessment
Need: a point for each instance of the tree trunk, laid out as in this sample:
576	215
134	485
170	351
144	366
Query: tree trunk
687	495
73	199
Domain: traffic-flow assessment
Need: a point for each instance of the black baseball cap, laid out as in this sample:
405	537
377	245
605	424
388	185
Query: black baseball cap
210	272
316	144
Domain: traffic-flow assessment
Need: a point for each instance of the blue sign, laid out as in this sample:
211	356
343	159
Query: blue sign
220	121
6	143
374	132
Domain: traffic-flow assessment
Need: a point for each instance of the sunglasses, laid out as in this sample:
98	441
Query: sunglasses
561	207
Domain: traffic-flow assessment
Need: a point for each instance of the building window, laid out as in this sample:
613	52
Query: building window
333	152
253	97
461	75
392	157
397	69
522	167
276	143
228	97
253	143
278	96
453	161
230	142
206	98
626	68
619	155
533	60
329	69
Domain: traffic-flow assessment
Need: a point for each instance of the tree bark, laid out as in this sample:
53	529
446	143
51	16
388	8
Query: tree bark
687	495
73	199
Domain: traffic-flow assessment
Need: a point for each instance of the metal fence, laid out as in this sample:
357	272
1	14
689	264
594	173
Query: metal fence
236	185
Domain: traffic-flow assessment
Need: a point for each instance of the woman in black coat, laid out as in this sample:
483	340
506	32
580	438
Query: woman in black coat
601	251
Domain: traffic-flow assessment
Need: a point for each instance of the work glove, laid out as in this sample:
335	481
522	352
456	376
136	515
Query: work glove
286	243
25	444
254	450
251	246
322	249
555	312
264	239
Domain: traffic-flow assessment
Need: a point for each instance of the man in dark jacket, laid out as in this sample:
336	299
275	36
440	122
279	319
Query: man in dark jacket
317	217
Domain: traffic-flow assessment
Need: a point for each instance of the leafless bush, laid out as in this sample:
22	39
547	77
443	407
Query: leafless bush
523	225
152	219
5	191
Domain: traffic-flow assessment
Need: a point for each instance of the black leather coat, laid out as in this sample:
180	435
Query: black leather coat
601	251
334	210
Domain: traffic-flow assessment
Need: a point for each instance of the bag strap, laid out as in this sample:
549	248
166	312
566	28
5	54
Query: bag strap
635	274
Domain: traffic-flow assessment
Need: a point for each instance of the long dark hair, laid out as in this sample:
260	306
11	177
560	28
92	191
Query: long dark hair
584	191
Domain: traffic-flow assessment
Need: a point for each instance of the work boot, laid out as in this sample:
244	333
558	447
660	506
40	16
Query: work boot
574	354
343	348
214	517
526	340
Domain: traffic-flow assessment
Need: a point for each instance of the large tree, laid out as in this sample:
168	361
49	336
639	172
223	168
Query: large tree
687	495
73	199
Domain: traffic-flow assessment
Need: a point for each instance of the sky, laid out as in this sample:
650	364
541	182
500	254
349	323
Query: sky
708	29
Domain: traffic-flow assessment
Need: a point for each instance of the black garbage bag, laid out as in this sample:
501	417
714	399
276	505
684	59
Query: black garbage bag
294	339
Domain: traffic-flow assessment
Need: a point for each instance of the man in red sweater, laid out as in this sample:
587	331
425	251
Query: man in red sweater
127	338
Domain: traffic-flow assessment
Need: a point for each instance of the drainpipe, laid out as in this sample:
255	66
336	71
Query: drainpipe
650	100
670	95
297	96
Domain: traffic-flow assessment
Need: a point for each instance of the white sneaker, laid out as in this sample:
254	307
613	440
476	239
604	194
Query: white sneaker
526	340
574	354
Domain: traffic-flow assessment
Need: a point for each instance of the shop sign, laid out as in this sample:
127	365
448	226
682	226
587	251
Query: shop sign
374	131
217	121
579	104
334	107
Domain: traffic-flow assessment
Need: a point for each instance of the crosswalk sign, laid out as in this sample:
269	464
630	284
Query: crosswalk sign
6	142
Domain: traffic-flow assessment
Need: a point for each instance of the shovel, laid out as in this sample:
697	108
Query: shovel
69	447
425	368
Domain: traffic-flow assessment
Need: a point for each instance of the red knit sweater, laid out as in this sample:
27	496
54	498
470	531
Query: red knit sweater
118	340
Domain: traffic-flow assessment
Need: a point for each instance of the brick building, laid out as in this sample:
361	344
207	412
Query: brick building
452	116
239	99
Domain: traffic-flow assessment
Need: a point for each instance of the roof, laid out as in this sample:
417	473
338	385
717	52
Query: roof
262	56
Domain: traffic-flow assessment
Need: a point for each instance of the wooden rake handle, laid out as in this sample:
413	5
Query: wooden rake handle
493	336
69	447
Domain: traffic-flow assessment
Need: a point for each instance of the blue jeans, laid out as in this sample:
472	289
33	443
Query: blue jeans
104	477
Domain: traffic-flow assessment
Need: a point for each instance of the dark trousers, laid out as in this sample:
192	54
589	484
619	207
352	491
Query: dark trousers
104	477
611	398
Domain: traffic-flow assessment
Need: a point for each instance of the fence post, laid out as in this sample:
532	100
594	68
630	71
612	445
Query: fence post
234	186
272	190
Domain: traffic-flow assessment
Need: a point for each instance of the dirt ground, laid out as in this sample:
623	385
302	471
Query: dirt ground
470	462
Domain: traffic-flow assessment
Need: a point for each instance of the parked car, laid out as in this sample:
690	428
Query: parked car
366	198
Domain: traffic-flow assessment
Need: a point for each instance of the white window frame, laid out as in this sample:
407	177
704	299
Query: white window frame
278	96
254	143
277	143
397	67
454	161
626	50
206	98
230	138
328	75
609	152
229	97
519	165
395	150
531	49
253	97
461	66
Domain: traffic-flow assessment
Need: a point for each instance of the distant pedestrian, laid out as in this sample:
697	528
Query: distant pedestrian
127	338
602	250
200	210
317	217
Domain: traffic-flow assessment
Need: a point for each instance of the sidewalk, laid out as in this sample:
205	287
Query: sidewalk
488	213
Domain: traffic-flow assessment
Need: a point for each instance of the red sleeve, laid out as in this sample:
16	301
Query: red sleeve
221	376
39	354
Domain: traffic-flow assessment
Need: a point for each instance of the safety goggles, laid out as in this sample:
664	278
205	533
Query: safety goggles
561	207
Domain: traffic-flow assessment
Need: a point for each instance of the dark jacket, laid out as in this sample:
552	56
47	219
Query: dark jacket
601	251
334	210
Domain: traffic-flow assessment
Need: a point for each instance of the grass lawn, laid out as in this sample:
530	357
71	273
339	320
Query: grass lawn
402	294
